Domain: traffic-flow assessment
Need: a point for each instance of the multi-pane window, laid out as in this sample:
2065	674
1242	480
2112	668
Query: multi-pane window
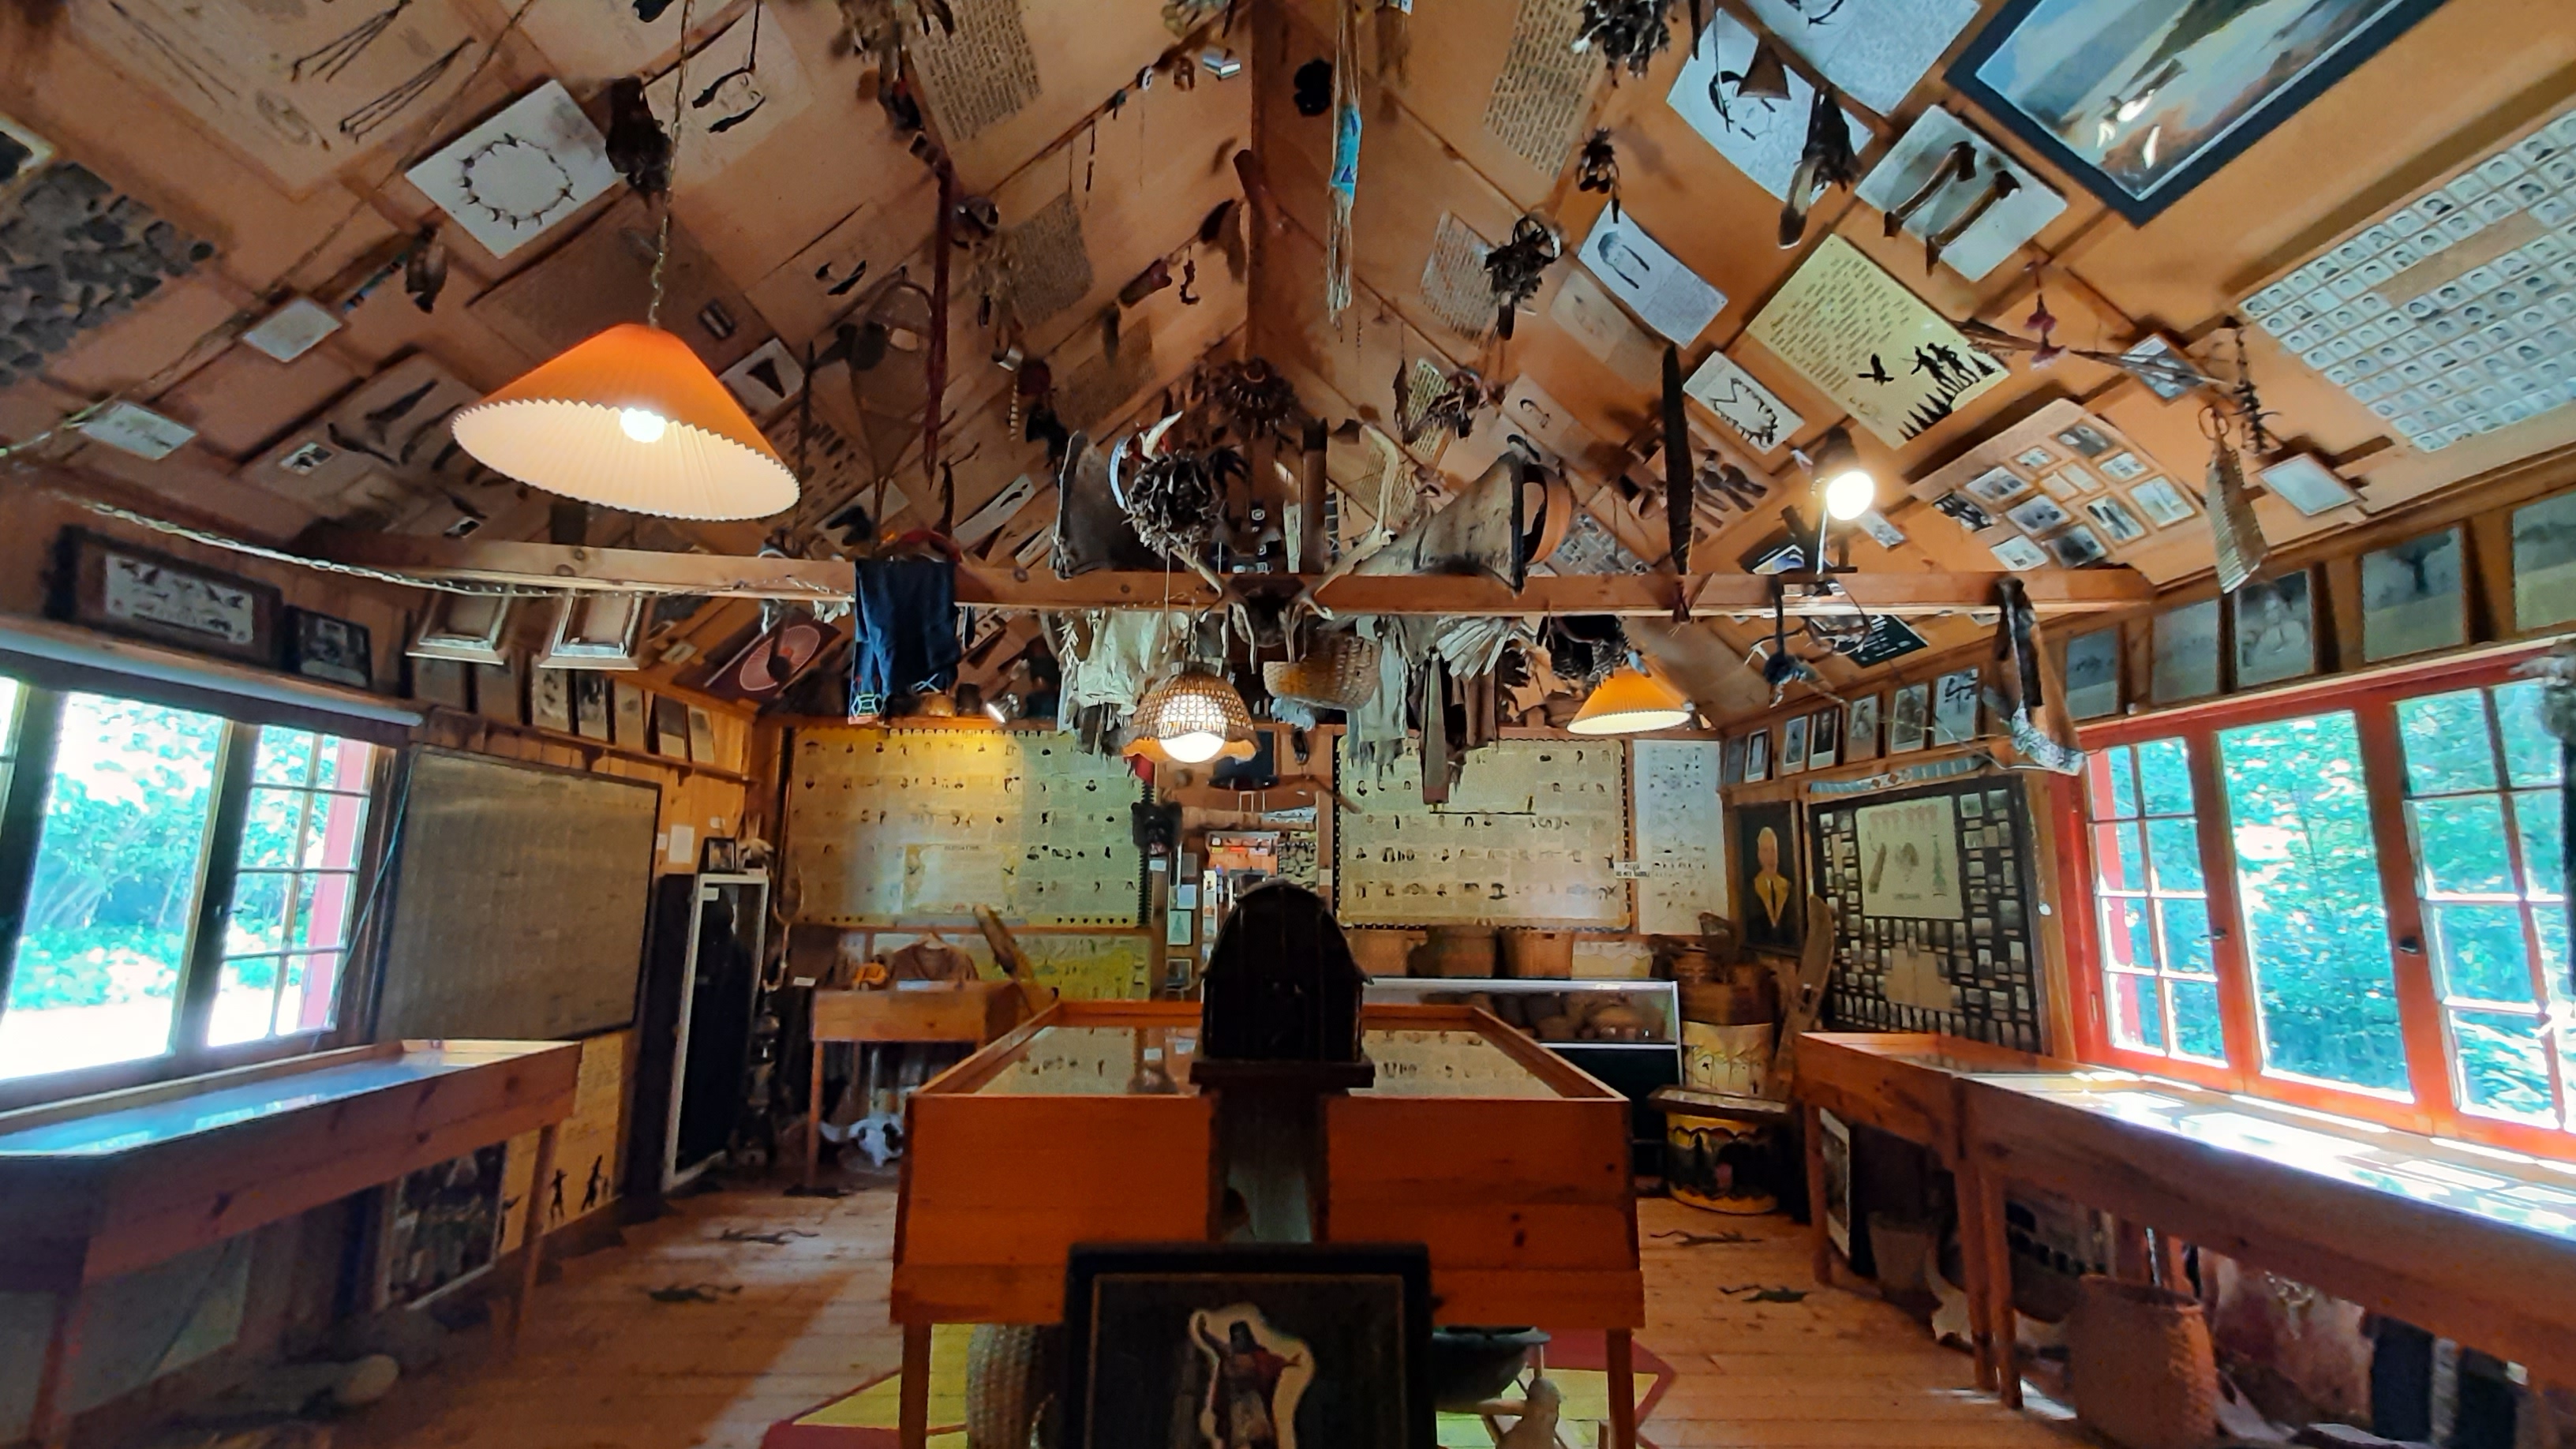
2307	888
95	972
188	882
295	892
2160	983
2484	819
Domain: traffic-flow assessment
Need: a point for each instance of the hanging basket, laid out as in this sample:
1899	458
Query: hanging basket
2140	1365
1339	672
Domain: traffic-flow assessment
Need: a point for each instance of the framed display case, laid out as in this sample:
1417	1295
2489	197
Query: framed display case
701	993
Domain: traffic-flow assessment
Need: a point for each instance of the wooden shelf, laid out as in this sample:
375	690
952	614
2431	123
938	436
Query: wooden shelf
592	748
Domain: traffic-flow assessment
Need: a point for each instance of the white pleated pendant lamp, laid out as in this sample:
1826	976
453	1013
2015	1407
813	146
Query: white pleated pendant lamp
631	419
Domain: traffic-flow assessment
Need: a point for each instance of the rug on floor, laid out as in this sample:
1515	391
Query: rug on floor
865	1417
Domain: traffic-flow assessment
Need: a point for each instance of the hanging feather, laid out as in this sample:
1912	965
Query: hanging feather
2234	535
1515	269
1677	464
1339	245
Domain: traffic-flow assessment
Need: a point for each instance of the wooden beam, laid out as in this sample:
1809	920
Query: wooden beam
2053	593
607	570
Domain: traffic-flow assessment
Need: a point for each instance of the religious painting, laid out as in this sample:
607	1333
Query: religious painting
2142	103
1768	897
1909	859
1239	1347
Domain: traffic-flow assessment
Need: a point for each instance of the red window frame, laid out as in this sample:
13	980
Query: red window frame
2372	701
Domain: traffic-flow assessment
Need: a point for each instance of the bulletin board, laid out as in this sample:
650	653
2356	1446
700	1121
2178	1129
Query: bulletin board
1933	893
1532	834
1680	837
920	826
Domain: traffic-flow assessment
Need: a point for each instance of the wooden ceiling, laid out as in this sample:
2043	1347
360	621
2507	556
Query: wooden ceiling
771	221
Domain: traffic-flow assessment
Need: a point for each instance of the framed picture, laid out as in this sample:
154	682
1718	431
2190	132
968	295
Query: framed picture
1954	708
763	668
670	727
103	584
1996	486
2167	382
2141	106
2020	554
550	699
499	693
2092	687
2184	650
2125	467
2544	563
2411	599
1835	1149
1222	1343
628	720
2275	632
1730	761
443	682
702	736
2035	458
2085	440
2115	520
1757	756
1860	732
1909	718
590	705
319	646
597	631
2162	502
2037	516
1823	738
1793	746
1769	900
2077	547
471	628
1963	512
2303	481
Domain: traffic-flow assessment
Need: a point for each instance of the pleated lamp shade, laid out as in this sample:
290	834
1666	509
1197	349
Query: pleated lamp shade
631	419
1630	702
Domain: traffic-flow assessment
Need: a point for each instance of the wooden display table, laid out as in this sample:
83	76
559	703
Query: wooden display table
1510	1164
973	1012
2476	1245
99	1186
1910	1085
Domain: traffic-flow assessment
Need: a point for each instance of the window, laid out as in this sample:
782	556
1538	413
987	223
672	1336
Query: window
187	882
2484	820
2158	974
2352	898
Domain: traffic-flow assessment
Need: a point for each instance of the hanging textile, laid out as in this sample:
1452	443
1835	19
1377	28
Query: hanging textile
907	628
1339	246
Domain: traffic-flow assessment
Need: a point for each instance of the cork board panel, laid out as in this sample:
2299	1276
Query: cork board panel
1529	836
886	827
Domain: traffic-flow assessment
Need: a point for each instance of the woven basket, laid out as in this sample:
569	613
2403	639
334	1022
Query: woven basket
2140	1365
1338	672
1011	1371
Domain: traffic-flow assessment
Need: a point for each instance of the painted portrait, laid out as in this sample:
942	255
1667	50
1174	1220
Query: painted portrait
1770	900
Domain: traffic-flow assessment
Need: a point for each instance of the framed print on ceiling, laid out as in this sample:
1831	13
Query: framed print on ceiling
2141	103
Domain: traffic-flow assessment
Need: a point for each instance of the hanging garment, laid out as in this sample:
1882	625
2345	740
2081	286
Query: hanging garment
907	626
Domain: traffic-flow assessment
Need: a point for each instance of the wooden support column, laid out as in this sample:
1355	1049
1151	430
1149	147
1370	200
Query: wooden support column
912	1411
532	1245
1997	1251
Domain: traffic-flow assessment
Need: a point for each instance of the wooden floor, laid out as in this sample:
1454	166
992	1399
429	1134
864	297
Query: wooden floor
792	1324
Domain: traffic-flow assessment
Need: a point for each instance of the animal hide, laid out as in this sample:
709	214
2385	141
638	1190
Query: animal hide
1091	530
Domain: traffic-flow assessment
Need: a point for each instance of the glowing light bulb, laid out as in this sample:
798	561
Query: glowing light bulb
1196	747
642	424
1848	495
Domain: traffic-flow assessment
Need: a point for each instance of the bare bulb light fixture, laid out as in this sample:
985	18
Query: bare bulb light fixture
1850	490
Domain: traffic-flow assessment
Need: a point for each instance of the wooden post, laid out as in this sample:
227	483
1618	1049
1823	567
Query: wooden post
533	1236
1972	1267
50	1424
1999	1300
2171	1270
1623	1390
2129	1260
912	1413
813	1108
1816	1231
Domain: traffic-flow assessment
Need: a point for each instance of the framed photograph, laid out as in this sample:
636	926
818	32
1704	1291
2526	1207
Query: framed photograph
590	705
2020	554
1860	732
2114	519
2162	363
319	646
670	727
2411	599
1997	486
101	583
2184	653
1823	739
1909	718
2125	467
2544	563
2275	633
2163	503
469	628
2035	458
1964	512
2303	481
1730	761
2077	547
2085	439
550	699
443	682
1880	531
702	736
2038	516
1226	1343
597	631
499	692
1954	708
1769	899
629	720
2092	687
2069	78
1793	746
1835	1149
1757	756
